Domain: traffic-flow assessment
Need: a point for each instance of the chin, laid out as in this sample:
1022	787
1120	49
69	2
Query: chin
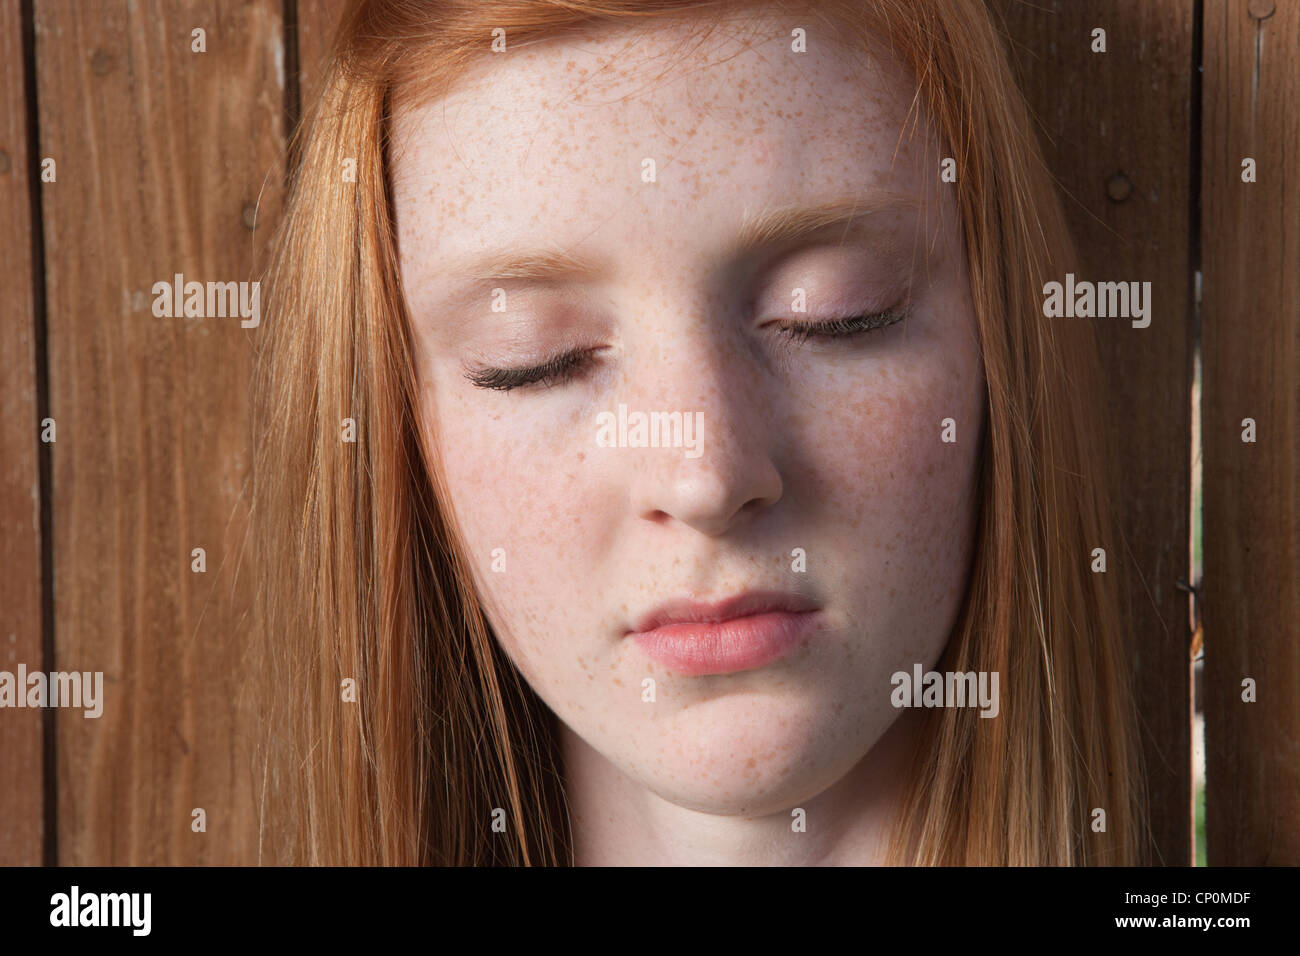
734	756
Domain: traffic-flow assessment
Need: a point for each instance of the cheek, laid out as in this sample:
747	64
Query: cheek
526	515
899	445
899	495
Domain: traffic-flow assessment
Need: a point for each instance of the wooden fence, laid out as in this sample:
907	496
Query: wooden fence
165	162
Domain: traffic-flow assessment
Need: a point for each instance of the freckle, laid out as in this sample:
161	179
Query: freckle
617	682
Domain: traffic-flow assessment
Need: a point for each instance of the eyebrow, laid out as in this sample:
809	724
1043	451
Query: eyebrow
787	224
780	225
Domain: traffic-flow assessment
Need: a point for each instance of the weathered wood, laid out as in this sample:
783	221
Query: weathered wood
1116	131
1251	347
317	23
22	824
163	155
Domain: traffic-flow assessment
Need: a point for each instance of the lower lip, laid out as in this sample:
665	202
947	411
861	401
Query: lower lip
726	647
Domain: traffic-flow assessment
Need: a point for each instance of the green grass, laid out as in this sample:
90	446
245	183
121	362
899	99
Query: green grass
1200	826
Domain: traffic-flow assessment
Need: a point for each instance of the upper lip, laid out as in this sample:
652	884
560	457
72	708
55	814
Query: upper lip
689	611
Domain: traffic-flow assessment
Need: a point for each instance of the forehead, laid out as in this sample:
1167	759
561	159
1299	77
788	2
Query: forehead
667	133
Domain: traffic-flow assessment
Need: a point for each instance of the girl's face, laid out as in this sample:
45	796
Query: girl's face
632	228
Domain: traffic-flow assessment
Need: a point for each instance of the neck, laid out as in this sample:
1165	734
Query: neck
618	821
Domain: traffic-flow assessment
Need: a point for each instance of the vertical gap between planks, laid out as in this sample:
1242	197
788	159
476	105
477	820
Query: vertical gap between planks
292	90
1194	150
1196	397
49	726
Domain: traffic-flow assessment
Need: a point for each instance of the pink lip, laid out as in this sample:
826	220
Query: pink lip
725	637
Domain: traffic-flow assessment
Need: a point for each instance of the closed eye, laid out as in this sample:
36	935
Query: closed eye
567	366
839	328
555	370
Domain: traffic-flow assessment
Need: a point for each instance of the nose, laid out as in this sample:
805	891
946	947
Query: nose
732	476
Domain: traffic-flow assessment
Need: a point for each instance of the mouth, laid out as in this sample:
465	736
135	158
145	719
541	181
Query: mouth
741	633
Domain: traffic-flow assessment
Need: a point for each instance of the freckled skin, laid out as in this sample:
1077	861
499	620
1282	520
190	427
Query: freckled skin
832	447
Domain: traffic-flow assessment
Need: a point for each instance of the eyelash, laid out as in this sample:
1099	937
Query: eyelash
566	365
841	328
554	370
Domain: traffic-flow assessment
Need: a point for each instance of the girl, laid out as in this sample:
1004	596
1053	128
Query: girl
664	457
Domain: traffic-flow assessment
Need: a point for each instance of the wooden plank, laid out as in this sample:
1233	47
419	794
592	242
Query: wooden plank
22	824
317	23
163	155
1251	347
1117	135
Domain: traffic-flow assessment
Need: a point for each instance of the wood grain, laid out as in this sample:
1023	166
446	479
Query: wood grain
22	824
163	156
1251	350
317	22
1120	123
